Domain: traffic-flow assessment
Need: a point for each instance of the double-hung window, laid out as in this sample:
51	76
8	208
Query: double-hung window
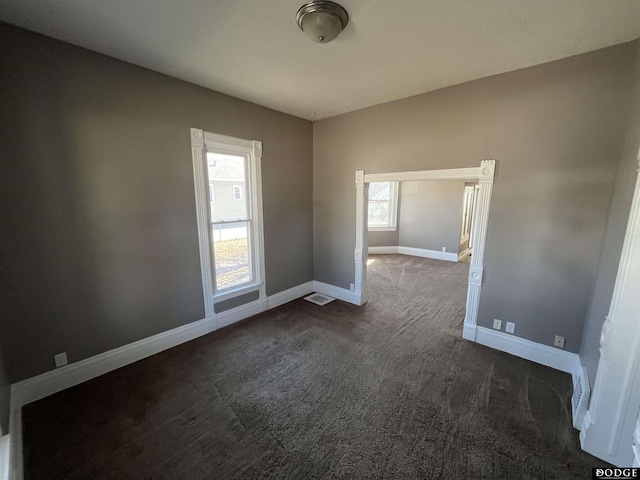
383	206
227	169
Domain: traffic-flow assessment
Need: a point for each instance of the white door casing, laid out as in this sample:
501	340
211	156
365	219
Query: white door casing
609	430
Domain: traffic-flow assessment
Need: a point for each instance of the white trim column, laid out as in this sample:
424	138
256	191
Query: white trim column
479	235
360	254
202	215
610	430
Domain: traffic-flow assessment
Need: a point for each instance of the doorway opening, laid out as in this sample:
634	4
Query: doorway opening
483	175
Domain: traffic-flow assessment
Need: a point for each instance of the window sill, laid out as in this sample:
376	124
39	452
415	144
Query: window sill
382	229
236	292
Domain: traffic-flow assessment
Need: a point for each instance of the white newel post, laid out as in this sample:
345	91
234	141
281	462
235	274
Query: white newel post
479	234
202	215
610	430
360	253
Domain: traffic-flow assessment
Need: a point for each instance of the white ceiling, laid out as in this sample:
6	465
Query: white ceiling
391	49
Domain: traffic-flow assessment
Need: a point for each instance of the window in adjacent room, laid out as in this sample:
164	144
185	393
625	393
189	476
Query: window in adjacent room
383	206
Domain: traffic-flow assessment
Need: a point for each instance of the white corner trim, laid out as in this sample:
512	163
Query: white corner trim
5	455
337	292
48	383
536	352
424	253
383	250
289	295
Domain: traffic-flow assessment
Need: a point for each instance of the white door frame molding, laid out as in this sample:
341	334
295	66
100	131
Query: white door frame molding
609	427
484	175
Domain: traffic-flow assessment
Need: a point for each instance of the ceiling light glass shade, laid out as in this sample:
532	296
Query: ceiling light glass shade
322	20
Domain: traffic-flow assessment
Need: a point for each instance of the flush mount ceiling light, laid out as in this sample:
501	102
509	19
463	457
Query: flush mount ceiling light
322	20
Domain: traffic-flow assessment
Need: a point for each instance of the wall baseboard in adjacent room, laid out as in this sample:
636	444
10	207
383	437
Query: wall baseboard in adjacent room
422	252
536	352
464	253
382	250
54	381
416	252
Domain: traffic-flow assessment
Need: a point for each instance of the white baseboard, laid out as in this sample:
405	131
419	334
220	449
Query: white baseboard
382	250
416	252
469	331
337	292
234	315
290	295
464	254
5	455
422	252
536	352
48	383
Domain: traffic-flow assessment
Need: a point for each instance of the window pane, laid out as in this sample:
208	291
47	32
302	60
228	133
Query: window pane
231	251
227	181
380	191
379	212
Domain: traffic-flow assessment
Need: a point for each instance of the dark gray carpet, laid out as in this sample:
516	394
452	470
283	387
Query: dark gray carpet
388	390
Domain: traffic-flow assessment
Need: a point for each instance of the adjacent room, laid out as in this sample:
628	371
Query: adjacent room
249	239
418	238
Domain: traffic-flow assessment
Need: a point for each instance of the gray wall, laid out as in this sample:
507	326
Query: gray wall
99	237
383	239
431	215
556	132
4	395
614	237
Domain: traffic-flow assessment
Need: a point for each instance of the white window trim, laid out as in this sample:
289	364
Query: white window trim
200	140
392	226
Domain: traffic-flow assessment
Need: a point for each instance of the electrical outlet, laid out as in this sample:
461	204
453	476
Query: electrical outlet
558	342
497	324
352	287
510	328
444	249
60	359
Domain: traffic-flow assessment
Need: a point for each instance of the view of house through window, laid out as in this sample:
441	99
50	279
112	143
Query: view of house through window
230	220
383	205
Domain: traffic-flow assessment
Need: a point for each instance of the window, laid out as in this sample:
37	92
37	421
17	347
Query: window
383	206
230	229
230	222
